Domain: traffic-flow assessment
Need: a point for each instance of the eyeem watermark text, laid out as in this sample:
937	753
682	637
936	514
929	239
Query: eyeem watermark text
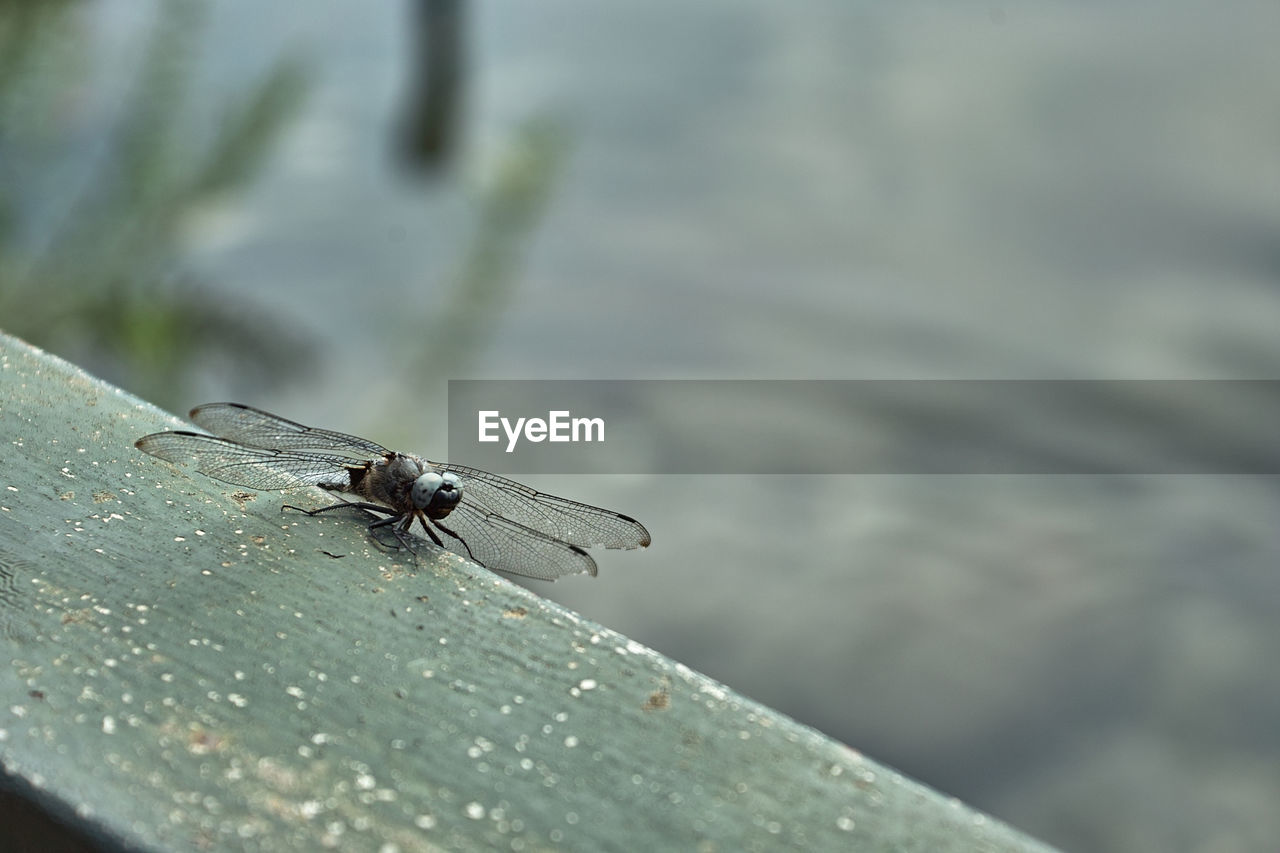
559	426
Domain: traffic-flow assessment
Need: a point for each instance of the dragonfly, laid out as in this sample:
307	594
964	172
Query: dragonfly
493	521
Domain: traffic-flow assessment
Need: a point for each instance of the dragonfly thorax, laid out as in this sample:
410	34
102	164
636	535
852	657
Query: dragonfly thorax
436	494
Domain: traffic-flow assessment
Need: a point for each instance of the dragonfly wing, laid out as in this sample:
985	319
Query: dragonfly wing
252	467
503	545
255	427
556	518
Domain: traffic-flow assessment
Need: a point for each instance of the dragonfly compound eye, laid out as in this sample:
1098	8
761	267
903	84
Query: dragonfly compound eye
436	494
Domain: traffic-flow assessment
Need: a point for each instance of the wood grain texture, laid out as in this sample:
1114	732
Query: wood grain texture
184	667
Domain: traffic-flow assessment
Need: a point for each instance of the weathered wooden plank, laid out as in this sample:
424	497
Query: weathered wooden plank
185	667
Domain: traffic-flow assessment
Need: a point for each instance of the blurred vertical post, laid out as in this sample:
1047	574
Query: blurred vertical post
431	111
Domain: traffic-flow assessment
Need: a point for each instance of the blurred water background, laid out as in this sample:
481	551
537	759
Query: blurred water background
330	208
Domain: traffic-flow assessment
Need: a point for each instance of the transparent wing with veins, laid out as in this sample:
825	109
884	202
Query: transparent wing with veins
486	498
500	523
257	428
241	465
496	543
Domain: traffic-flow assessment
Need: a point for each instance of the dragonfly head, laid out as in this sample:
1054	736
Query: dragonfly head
436	494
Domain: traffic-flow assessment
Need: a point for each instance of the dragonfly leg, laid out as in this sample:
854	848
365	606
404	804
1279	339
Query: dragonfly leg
398	522
392	516
400	530
455	536
434	538
345	504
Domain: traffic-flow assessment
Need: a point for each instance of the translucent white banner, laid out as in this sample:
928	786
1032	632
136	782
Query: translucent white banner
867	426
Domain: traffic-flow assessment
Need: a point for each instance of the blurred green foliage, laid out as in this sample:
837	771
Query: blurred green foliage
509	207
97	192
91	228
